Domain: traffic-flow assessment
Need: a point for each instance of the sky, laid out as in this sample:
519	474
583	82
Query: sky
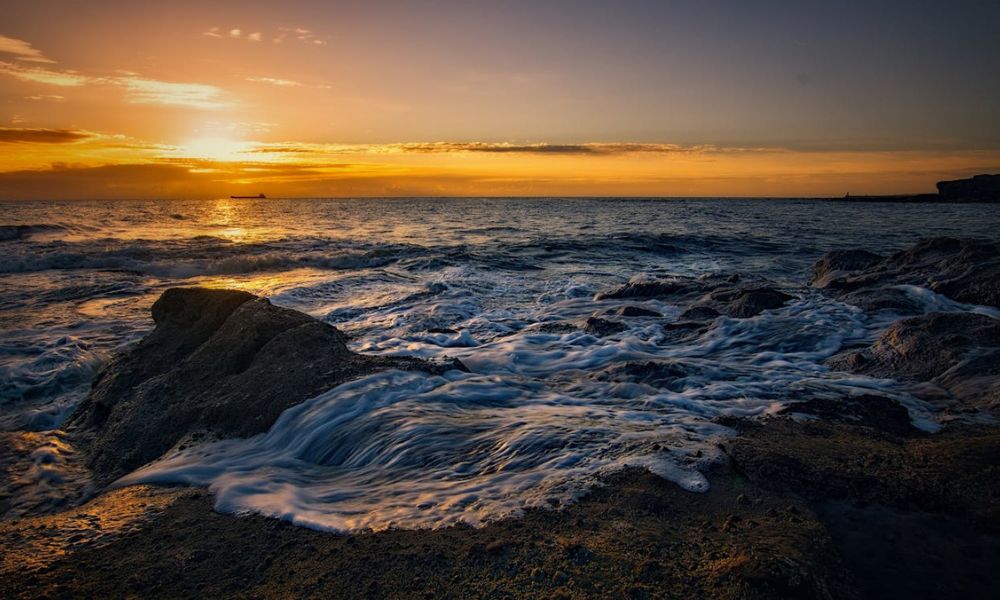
317	98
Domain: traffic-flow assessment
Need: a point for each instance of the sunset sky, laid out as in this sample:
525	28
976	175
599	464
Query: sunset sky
120	99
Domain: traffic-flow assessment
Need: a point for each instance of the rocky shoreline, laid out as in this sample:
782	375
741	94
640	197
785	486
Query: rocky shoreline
833	498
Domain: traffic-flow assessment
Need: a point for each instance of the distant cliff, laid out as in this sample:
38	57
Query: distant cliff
981	188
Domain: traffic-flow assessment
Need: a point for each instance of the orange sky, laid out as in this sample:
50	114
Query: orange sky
341	99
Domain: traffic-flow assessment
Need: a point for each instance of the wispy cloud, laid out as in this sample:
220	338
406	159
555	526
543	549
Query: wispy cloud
47	97
22	50
13	135
140	90
46	76
589	148
275	81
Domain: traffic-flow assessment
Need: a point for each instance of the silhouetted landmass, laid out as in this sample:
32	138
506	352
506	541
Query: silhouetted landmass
980	189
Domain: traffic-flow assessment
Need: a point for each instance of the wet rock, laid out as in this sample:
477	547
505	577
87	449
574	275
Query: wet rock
958	352
603	327
555	327
885	298
965	270
219	361
658	374
749	303
839	263
733	295
877	412
951	471
447	330
699	313
653	288
685	331
736	302
637	311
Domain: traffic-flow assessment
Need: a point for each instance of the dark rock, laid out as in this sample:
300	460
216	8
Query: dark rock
447	330
951	471
959	352
964	270
685	331
732	295
555	327
603	327
749	303
219	361
654	288
637	311
981	188
699	313
885	298
658	374
739	303
877	412
840	262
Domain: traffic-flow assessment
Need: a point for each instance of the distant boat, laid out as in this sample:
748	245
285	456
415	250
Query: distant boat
257	197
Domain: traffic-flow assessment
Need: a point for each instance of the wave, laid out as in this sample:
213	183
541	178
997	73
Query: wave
21	232
539	420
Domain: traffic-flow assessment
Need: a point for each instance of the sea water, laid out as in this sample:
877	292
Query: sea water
540	416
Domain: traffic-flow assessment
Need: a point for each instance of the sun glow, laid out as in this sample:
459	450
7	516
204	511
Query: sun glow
218	149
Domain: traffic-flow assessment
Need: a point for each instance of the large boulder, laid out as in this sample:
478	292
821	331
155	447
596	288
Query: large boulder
965	270
957	353
220	363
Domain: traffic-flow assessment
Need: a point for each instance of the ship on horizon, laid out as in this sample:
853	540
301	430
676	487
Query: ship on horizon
257	197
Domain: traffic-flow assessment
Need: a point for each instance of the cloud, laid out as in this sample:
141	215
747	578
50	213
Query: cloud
275	81
46	76
12	135
254	37
212	32
589	148
235	32
47	97
140	90
22	50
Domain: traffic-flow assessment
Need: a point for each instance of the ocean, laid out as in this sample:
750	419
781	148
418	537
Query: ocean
536	421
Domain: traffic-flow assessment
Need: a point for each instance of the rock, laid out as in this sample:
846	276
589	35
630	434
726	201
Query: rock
603	327
877	412
841	262
685	331
964	270
738	303
951	471
981	188
658	374
555	327
958	352
699	313
222	362
884	298
732	295
749	303
637	311
446	330
653	288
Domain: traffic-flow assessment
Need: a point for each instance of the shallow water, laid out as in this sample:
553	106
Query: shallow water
536	420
